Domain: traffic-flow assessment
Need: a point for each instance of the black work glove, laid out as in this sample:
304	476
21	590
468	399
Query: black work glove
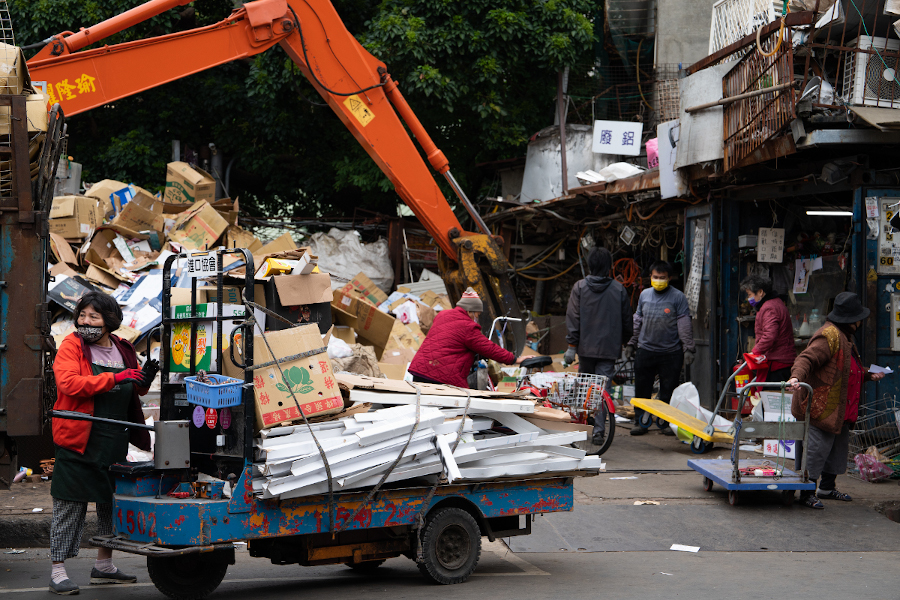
151	368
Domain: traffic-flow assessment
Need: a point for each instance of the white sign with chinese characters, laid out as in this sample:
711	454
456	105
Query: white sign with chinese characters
200	264
770	245
617	137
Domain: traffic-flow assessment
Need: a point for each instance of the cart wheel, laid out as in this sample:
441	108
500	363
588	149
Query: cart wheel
661	423
366	566
787	497
699	446
646	420
707	484
188	577
451	546
733	497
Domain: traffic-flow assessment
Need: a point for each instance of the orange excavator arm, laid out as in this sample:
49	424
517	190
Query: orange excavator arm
354	83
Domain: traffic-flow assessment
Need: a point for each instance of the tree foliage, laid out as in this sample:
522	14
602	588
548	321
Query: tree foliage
480	75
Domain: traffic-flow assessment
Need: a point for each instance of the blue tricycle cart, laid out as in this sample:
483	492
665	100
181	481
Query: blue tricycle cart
186	525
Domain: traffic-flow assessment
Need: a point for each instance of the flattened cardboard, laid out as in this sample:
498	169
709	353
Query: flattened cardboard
362	287
280	244
395	372
405	336
399	356
13	70
198	228
99	276
344	333
101	248
135	217
36	114
371	325
295	290
186	184
62	250
311	379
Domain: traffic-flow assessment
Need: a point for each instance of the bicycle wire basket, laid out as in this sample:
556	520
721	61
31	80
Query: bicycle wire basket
578	392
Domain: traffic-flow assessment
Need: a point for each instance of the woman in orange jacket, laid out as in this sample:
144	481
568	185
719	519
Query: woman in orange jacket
97	374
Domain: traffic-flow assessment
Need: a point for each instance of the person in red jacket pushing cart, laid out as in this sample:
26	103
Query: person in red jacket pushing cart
448	352
97	374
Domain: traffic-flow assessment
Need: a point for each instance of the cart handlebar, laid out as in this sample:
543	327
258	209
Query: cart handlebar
775	385
77	416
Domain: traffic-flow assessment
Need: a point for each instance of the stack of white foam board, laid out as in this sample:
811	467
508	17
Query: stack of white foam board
360	449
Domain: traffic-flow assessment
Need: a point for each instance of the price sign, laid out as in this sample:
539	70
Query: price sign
198	416
770	245
225	418
212	417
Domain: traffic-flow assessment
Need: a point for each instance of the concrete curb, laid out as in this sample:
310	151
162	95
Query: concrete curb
34	531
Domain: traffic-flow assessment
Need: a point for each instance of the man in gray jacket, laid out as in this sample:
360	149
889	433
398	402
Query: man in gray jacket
599	322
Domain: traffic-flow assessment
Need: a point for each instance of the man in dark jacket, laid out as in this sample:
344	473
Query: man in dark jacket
599	322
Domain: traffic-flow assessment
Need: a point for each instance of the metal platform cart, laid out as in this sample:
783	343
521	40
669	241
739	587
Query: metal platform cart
776	477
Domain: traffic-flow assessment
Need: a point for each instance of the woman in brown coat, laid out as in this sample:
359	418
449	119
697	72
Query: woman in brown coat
832	366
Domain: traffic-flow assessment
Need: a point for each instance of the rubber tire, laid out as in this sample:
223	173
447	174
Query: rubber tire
733	497
699	446
438	544
787	497
366	566
707	484
646	420
188	577
608	440
661	423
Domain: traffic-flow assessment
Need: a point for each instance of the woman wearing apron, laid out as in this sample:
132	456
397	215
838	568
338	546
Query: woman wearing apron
97	374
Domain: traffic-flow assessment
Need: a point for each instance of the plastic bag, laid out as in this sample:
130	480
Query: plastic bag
870	469
343	254
686	398
338	348
652	153
407	312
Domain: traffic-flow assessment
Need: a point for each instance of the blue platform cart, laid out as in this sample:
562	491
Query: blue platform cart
187	528
728	473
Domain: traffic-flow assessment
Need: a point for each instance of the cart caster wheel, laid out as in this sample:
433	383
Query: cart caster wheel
707	484
662	424
733	497
787	497
646	420
699	446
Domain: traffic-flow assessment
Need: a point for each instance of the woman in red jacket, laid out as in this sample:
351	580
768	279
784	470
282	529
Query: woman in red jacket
448	352
96	374
773	329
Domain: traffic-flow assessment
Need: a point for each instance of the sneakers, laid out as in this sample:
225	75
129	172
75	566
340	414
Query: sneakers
812	501
833	495
98	577
66	587
638	430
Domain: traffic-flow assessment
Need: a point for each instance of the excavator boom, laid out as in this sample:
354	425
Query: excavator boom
354	83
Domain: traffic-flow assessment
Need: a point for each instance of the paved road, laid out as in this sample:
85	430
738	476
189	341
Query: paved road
504	576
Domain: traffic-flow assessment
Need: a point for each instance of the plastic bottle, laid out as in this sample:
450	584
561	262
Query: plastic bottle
815	320
804	329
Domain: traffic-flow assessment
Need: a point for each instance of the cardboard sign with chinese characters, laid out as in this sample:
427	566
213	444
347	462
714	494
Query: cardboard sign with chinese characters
617	137
311	378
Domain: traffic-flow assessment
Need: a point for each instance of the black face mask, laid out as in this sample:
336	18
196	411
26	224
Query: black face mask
90	334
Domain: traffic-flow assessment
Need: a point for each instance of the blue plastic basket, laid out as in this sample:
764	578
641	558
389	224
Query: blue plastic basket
225	392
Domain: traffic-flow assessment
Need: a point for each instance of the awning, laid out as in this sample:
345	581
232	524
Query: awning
885	119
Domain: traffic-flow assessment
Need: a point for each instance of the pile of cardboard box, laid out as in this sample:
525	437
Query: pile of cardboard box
393	325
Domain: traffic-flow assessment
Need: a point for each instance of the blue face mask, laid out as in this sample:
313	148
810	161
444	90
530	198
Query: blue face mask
753	303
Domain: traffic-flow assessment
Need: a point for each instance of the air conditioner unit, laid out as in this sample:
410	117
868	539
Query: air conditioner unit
872	79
